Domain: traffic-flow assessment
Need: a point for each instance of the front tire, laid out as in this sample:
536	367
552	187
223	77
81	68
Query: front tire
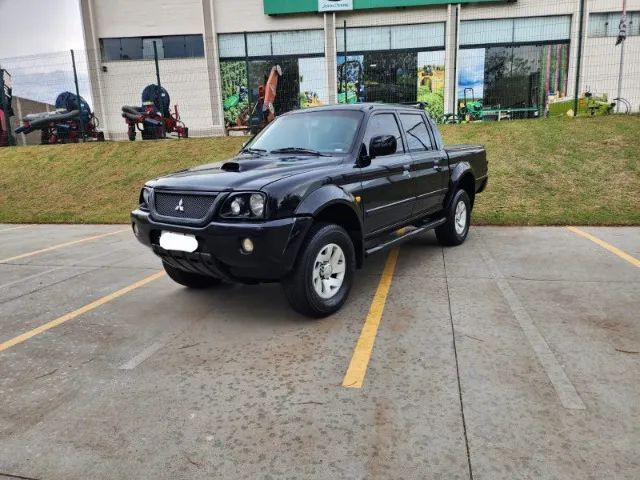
188	279
323	275
454	232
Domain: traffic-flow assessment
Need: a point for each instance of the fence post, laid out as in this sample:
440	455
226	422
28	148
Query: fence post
621	71
576	93
155	59
6	108
79	103
246	66
343	80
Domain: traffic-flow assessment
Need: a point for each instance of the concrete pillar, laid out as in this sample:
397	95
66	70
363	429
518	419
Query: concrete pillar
452	28
213	66
94	64
331	55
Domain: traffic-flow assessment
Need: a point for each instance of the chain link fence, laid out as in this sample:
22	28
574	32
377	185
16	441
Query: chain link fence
457	65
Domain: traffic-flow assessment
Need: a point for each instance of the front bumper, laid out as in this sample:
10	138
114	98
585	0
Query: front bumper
276	245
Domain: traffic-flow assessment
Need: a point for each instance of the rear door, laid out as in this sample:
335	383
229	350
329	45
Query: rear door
387	193
429	165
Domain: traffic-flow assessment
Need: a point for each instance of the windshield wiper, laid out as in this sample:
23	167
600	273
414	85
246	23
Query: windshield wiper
303	151
256	151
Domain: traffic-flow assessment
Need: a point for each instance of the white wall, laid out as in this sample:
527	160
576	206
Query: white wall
234	16
140	18
602	64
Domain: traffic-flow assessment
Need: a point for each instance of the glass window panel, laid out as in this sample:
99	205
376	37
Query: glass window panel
417	36
147	48
300	42
417	134
364	39
479	32
633	27
174	46
110	49
390	77
542	28
131	48
259	44
231	45
383	124
598	24
194	45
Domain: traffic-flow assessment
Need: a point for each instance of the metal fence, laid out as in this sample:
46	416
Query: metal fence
468	69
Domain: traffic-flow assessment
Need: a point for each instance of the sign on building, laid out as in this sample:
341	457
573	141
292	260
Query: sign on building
334	5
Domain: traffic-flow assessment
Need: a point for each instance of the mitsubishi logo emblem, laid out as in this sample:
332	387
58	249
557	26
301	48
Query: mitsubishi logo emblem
180	207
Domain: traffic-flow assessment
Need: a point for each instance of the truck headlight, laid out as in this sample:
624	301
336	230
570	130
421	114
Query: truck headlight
145	195
244	205
256	203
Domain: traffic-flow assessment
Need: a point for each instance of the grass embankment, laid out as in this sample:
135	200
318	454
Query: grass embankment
542	172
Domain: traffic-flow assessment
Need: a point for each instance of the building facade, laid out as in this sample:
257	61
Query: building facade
518	56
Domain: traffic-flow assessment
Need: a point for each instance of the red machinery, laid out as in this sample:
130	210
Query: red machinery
154	119
66	123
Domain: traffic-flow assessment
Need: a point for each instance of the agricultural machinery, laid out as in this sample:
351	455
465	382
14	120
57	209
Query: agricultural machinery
5	103
154	118
66	123
263	112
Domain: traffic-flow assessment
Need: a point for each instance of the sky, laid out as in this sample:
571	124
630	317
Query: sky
29	27
35	39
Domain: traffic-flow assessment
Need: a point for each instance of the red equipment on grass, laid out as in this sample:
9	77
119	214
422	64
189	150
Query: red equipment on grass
154	119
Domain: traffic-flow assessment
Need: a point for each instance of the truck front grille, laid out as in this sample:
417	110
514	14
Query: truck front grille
183	206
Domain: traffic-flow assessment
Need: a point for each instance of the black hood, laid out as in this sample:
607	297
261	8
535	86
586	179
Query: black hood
243	172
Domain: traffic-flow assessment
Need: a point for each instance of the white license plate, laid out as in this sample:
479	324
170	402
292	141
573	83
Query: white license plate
178	241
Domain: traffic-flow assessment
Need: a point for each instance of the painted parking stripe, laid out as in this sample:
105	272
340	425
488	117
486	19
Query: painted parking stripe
354	378
61	245
607	246
569	397
80	311
11	229
142	356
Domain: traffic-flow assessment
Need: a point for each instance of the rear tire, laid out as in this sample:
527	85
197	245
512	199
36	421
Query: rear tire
323	275
188	279
454	232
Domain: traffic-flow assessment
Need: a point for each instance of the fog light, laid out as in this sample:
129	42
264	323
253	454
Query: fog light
247	245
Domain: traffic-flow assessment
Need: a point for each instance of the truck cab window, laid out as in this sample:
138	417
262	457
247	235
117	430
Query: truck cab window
383	124
417	134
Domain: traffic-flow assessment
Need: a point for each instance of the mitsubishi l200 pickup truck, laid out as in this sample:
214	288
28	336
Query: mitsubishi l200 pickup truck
309	198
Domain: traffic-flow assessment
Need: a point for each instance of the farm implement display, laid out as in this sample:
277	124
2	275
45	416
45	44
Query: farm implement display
154	119
6	111
64	125
263	112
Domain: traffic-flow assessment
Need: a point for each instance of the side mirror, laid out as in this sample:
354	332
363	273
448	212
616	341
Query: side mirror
382	145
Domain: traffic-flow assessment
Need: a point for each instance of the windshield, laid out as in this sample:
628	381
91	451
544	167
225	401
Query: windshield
328	132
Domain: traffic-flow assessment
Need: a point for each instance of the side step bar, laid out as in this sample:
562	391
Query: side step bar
407	236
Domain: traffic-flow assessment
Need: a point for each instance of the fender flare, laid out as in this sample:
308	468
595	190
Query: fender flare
324	197
330	195
458	172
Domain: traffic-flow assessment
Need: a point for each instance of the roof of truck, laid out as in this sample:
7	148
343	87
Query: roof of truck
363	107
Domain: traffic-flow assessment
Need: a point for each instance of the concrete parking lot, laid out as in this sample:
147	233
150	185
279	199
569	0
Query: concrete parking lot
514	356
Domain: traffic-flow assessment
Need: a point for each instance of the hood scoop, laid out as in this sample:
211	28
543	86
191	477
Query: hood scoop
230	167
246	165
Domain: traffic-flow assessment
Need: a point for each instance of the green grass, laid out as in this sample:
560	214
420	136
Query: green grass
542	172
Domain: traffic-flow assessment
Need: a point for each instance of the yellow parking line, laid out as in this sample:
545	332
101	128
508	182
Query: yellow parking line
80	311
10	229
362	353
615	250
61	245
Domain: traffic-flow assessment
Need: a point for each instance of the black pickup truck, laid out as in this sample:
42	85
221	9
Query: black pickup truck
309	198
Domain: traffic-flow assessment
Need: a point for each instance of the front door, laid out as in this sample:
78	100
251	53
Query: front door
387	196
429	167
